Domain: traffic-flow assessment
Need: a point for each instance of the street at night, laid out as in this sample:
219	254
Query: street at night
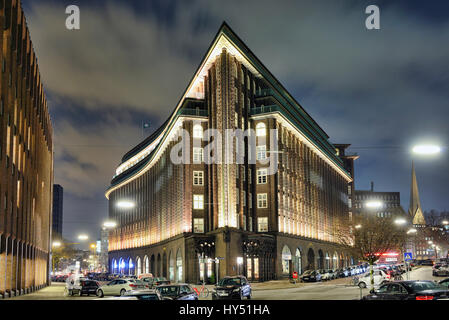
223	158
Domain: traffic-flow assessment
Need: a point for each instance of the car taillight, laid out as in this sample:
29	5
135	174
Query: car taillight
132	285
424	297
388	276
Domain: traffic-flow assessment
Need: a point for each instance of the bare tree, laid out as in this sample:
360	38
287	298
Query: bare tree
369	236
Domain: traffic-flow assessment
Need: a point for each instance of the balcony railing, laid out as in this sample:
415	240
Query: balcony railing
193	112
264	109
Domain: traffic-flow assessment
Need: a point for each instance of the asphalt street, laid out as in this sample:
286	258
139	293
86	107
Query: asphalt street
332	290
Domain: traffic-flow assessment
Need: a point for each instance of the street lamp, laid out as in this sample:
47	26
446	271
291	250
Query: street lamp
110	224
83	237
373	204
358	226
400	221
426	149
56	244
125	204
445	222
412	230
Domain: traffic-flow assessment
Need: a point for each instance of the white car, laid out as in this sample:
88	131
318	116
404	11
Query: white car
379	277
119	287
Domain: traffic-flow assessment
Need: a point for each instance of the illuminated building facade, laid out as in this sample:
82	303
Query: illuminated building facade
187	221
26	160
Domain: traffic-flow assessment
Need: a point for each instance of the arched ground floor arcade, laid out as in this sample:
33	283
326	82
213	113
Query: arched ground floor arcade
194	258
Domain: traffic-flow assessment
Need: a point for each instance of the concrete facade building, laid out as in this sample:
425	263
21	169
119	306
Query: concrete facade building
58	196
26	160
196	220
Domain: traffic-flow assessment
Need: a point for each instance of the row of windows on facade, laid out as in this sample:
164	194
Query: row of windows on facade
262	176
198	153
262	224
262	202
377	197
386	205
261	129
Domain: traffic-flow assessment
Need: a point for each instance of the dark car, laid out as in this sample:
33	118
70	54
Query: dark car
146	295
180	291
409	290
427	263
236	287
313	276
87	287
341	273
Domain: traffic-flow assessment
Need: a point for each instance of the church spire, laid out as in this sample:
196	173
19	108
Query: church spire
414	209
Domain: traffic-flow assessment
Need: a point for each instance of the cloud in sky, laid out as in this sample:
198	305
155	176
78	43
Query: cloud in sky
134	59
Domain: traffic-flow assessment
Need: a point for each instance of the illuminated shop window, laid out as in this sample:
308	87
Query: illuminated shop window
198	225
198	178
262	224
197	155
262	176
198	131
198	201
261	130
262	200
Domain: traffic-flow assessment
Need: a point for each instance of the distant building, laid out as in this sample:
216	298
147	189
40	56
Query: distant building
382	204
103	252
58	193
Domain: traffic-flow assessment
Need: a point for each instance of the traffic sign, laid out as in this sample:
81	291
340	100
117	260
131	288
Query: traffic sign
408	256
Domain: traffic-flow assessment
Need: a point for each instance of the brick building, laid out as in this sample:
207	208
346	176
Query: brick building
26	160
181	220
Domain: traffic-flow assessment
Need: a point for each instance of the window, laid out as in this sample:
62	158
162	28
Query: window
262	200
262	224
198	225
261	152
262	176
250	200
237	196
197	155
244	198
261	130
198	131
198	201
198	179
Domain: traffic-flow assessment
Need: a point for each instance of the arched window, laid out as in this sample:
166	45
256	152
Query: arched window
171	267
286	258
179	266
147	264
261	129
198	131
139	266
131	267
298	261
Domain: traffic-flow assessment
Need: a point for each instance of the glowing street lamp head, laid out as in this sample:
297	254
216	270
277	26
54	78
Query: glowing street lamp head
373	204
56	243
358	226
239	260
445	222
426	149
400	221
109	224
83	237
125	204
412	230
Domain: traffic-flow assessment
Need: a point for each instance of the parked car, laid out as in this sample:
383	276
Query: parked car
119	287
145	295
180	291
409	290
85	286
379	276
153	282
312	276
441	270
444	283
236	287
341	273
324	274
427	262
329	275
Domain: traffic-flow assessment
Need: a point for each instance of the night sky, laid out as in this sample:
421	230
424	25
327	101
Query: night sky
380	90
